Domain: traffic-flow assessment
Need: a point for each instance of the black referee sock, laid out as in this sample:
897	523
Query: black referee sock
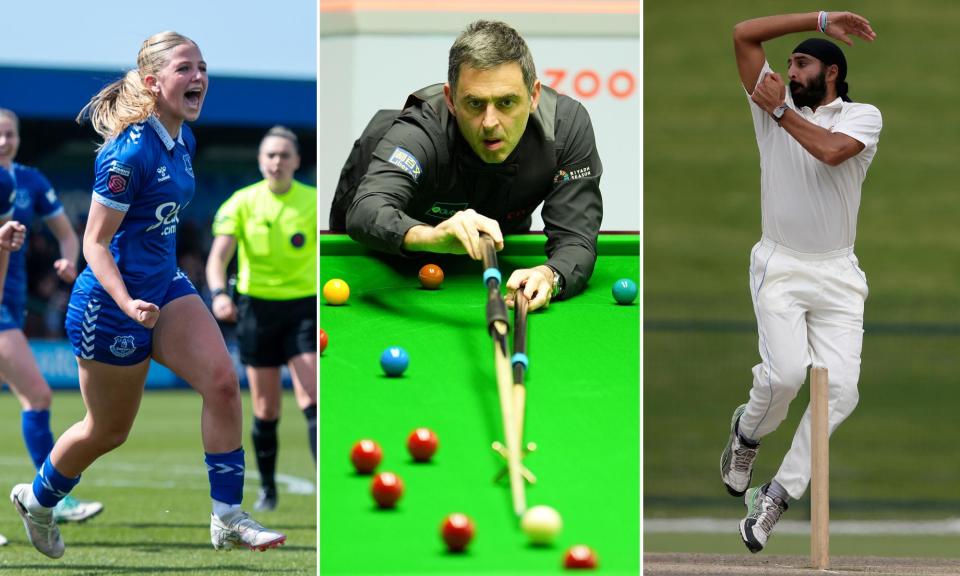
265	443
310	413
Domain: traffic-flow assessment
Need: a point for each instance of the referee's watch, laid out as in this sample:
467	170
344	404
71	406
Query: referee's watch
778	112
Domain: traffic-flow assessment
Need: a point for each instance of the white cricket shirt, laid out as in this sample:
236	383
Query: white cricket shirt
807	205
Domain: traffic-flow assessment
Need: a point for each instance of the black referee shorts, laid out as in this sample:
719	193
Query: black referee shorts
271	332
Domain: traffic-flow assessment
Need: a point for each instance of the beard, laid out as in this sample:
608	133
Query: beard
812	94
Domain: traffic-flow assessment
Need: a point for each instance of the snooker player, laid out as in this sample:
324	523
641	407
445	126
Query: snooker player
480	154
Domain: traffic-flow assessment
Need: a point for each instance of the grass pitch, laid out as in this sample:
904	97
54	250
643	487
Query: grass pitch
156	517
895	456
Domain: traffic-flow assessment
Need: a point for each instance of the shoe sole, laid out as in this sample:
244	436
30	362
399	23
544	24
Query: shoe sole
262	547
733	427
753	547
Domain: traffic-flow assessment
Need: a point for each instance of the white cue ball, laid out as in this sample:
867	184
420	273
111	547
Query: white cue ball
541	524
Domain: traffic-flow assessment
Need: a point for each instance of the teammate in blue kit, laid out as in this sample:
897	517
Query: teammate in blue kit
33	195
132	303
7	195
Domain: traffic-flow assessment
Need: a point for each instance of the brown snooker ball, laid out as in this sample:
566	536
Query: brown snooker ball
386	489
366	456
422	444
580	557
431	276
457	531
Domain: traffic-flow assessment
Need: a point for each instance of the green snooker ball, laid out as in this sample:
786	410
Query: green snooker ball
624	291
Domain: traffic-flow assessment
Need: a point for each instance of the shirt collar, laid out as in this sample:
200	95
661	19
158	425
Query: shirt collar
835	105
158	127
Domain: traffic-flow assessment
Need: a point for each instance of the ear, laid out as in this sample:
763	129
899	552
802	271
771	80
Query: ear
152	83
832	72
448	98
535	97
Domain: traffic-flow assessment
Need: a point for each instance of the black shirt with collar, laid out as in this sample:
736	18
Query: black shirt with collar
422	171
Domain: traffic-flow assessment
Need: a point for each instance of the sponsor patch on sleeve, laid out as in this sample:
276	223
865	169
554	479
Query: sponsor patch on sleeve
406	161
575	172
118	177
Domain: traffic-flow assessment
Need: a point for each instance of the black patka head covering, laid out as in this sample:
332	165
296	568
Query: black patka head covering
828	53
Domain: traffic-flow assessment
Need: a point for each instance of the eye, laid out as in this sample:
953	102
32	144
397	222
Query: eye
507	103
474	104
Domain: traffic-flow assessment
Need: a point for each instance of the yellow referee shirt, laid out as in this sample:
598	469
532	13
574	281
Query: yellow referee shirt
276	240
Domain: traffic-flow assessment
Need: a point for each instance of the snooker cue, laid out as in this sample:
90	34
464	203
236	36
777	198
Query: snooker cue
498	326
519	359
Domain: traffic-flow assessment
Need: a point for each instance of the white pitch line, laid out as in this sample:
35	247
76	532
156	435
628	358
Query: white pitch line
948	526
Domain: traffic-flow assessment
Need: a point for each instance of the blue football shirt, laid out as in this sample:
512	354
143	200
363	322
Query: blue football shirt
147	174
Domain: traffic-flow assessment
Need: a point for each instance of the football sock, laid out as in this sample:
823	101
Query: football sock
35	425
310	412
50	486
264	435
225	472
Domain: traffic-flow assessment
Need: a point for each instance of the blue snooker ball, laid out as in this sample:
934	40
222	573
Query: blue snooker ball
394	361
624	291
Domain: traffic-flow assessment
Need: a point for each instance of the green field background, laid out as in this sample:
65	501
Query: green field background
897	455
156	517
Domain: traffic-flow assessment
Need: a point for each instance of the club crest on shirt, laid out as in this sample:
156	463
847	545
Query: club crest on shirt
123	346
406	161
188	165
118	177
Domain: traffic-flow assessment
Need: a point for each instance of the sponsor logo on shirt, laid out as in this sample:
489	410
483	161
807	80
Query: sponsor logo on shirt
162	175
444	210
572	173
406	161
123	346
118	177
167	216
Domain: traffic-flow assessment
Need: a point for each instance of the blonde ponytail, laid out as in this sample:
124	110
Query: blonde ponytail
121	103
127	100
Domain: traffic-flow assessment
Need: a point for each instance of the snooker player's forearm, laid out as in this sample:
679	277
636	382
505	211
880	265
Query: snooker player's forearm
418	239
575	263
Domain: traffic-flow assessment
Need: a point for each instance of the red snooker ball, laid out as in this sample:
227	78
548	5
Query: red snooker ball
422	444
457	531
387	489
323	340
580	557
366	456
431	276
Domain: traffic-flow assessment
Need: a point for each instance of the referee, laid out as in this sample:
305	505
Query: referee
273	222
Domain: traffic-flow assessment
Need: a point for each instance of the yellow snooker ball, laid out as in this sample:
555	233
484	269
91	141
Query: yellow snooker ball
541	524
336	292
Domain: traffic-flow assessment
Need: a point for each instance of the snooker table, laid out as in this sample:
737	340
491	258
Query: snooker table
583	412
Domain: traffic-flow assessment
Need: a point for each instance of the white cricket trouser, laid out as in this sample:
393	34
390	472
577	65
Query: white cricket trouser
809	310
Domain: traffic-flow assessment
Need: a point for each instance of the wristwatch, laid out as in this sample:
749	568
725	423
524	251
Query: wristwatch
557	282
779	111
